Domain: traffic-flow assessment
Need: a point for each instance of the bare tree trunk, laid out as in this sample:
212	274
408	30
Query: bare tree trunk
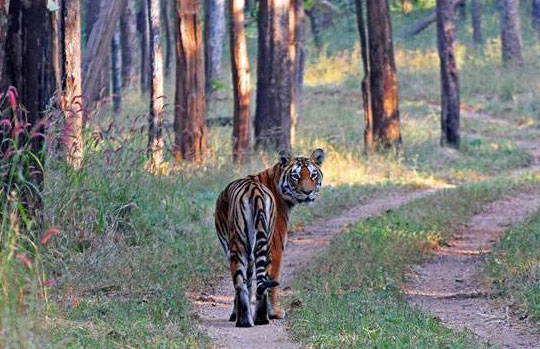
273	111
4	26
214	29
129	43
92	14
116	59
384	86
316	26
535	17
510	33
449	74
72	82
366	87
169	34
476	15
144	31
189	125
296	54
155	118
241	82
98	46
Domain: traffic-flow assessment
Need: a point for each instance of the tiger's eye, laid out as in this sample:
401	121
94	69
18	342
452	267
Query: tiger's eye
295	176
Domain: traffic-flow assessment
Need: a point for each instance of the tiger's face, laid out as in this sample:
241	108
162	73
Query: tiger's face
301	179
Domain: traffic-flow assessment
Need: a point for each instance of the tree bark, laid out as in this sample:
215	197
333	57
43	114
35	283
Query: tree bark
273	111
449	74
155	117
116	72
4	26
98	46
189	125
241	82
144	32
214	29
129	44
476	15
72	103
536	17
366	87
510	33
296	54
384	86
169	34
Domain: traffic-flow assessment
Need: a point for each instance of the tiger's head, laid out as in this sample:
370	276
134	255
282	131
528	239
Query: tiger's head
301	178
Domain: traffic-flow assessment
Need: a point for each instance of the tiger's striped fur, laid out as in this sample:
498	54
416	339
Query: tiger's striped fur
251	220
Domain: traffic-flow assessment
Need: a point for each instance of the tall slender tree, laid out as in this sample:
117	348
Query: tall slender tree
129	42
511	33
214	29
241	81
189	125
476	15
4	22
144	34
155	117
296	55
166	10
383	84
72	103
273	110
449	74
116	71
366	86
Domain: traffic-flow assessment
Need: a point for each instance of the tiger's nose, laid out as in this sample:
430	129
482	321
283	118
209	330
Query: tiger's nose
307	192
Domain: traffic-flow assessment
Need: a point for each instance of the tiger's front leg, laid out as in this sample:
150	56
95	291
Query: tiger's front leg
274	270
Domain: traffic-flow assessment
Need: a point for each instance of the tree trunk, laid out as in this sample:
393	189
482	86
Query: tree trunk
366	88
476	15
449	74
296	54
316	26
189	125
510	33
536	17
384	86
155	118
144	32
273	112
241	82
214	29
4	26
129	43
116	65
92	14
461	10
98	46
72	82
169	34
407	6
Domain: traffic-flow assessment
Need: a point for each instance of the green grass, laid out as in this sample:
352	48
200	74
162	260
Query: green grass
351	298
514	268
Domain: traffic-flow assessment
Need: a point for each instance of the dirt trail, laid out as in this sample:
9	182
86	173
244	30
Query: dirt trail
448	285
214	306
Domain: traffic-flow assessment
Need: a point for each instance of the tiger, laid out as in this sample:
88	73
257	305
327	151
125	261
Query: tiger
251	219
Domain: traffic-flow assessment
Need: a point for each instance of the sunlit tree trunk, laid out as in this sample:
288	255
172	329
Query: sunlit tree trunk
510	33
4	22
273	111
366	87
155	118
116	65
476	15
241	82
296	54
189	125
144	34
449	74
214	29
129	42
99	45
72	103
384	86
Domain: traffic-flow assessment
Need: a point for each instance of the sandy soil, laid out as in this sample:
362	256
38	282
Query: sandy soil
448	285
213	307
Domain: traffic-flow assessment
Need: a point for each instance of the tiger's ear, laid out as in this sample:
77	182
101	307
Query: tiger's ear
317	156
284	158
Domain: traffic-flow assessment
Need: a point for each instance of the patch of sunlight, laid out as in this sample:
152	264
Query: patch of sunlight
333	69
